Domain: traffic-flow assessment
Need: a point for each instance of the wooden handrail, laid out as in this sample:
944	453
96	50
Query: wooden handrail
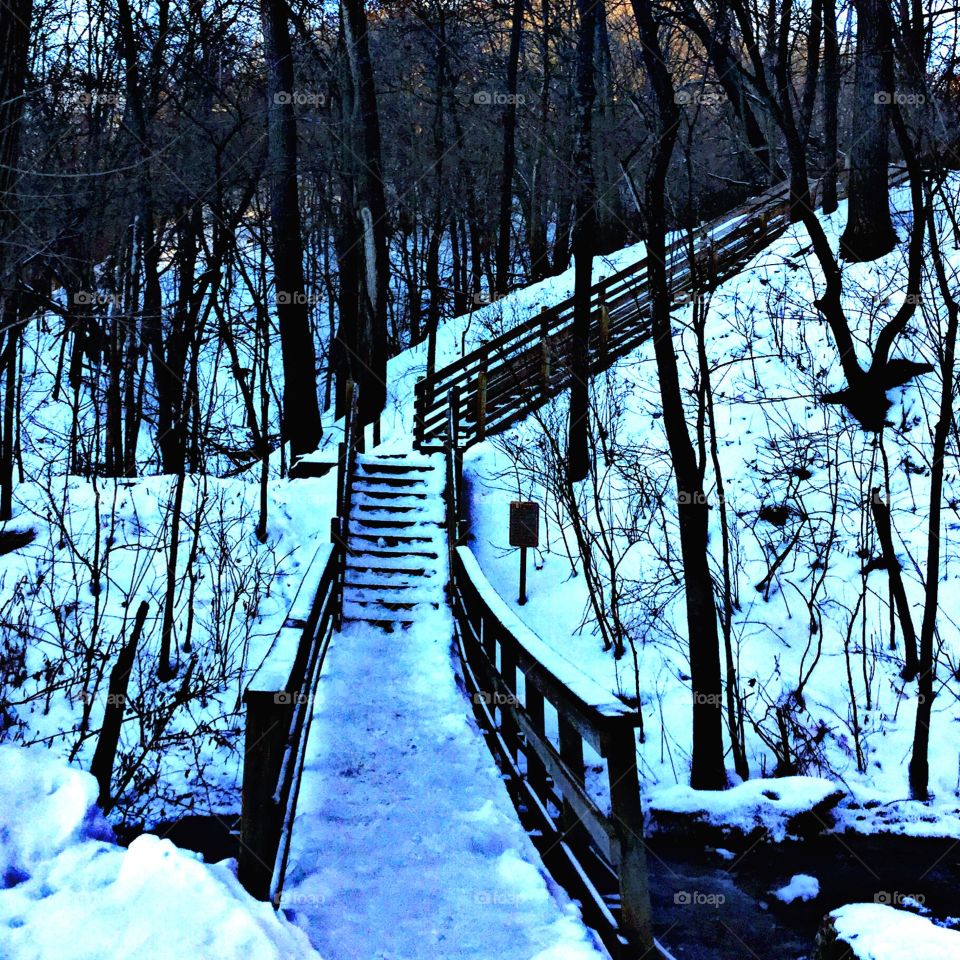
505	378
278	720
598	856
277	726
346	471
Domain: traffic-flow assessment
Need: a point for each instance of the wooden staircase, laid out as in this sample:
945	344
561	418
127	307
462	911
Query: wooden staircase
396	563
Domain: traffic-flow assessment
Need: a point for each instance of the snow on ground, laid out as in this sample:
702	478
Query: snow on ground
768	805
405	836
797	475
101	549
68	891
801	886
878	932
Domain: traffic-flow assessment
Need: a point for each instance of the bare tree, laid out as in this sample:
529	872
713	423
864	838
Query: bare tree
707	768
583	243
870	233
301	411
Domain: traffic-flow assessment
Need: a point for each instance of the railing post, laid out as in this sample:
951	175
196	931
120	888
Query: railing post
604	329
545	360
340	567
621	754
508	727
536	772
267	724
458	464
482	403
571	753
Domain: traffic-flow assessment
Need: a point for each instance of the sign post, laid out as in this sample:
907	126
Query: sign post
524	533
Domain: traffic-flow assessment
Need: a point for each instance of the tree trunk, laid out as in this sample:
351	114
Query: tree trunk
301	411
504	223
15	38
919	761
15	19
707	769
372	214
578	457
611	228
869	233
831	98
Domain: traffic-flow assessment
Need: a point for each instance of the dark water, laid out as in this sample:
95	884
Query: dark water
707	907
217	838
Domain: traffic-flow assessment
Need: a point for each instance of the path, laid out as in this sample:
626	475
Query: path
406	844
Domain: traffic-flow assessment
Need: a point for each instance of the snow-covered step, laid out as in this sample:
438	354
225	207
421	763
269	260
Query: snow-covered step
416	508
400	524
387	491
407	554
405	597
401	565
387	611
380	468
417	537
391	581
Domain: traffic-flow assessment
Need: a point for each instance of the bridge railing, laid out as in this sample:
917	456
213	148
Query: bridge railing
279	704
278	714
517	371
504	379
346	471
537	713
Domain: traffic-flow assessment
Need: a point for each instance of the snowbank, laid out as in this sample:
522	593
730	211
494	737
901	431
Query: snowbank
876	932
776	809
70	893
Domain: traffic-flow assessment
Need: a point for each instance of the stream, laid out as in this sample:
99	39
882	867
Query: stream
709	907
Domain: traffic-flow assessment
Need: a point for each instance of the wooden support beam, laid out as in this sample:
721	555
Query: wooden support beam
268	721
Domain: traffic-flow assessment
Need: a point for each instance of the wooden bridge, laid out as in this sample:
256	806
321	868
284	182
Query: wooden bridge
383	557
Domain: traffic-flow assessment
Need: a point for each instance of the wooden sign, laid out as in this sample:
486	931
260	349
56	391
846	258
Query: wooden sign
524	524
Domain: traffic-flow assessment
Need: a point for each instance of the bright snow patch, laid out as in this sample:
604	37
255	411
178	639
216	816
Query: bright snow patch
70	893
800	887
877	932
771	806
